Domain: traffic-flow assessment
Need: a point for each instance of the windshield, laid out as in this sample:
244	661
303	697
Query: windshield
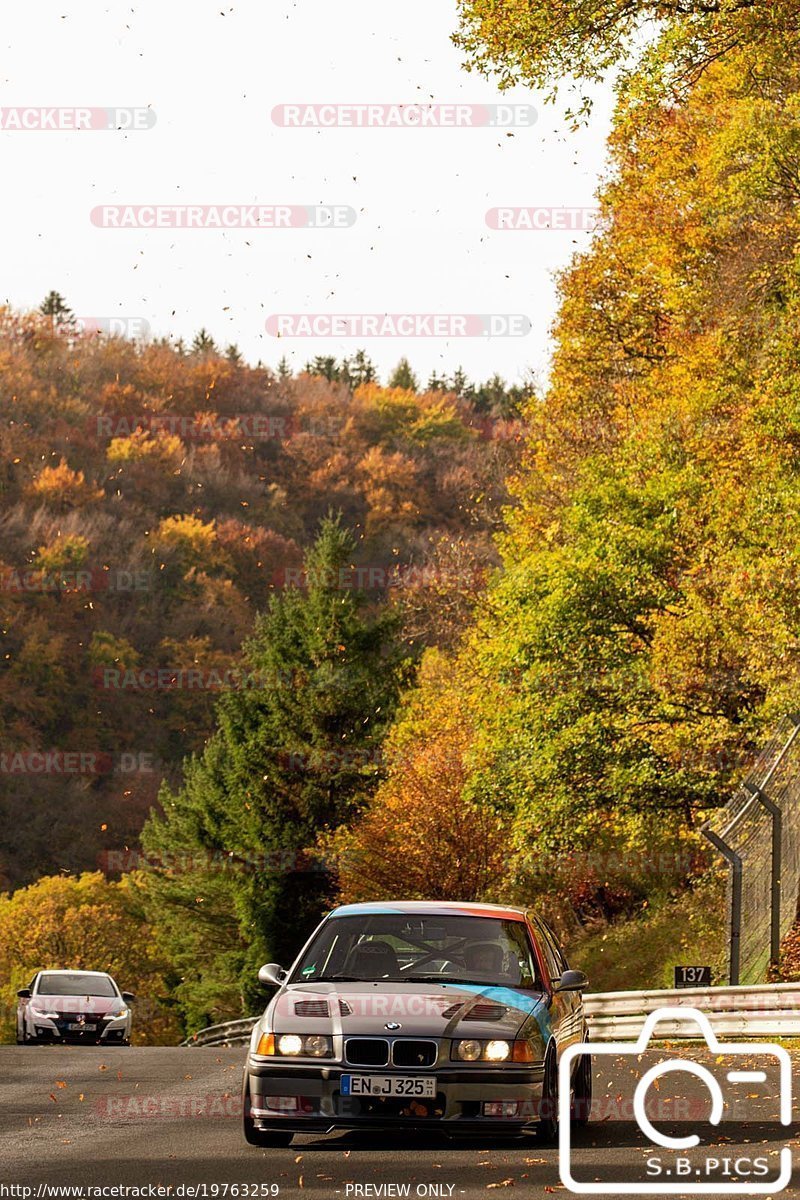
76	983
399	947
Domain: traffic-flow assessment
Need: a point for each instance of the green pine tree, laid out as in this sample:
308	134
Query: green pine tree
56	308
403	377
203	343
294	754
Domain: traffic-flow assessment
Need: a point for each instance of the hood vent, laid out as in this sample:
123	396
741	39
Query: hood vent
311	1008
345	1009
482	1011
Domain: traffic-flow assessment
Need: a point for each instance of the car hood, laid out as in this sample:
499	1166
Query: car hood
404	1009
88	1005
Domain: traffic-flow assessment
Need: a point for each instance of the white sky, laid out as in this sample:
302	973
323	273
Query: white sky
420	243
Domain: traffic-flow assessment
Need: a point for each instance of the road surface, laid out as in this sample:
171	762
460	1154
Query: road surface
85	1117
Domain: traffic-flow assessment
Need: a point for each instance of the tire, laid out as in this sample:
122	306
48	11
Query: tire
581	1106
547	1129
275	1138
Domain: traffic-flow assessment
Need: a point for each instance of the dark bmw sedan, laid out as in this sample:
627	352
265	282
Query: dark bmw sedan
417	1014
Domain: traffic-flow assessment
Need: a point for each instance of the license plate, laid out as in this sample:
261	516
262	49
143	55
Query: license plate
78	1028
388	1085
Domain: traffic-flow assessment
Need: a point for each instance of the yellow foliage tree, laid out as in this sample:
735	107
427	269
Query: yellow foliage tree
84	923
61	487
422	837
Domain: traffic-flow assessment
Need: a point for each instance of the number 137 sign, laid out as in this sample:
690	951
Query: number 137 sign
686	977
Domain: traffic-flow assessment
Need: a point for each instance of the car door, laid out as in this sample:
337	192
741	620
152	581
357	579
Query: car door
566	1007
22	1009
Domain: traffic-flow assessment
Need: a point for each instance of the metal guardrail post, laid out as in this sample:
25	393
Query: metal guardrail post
736	901
775	870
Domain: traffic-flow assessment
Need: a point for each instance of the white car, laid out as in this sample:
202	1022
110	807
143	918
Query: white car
74	1007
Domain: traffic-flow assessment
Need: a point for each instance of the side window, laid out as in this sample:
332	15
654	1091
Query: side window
556	963
519	956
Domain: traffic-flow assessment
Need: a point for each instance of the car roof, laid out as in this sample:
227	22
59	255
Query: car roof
72	971
438	908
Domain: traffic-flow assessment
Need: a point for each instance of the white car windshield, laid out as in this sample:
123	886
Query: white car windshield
402	948
75	983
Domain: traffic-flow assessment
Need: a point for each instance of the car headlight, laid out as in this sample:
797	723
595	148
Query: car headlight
470	1050
117	1016
295	1045
317	1046
46	1013
495	1050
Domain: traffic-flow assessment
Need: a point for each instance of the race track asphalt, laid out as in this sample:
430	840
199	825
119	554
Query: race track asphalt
81	1117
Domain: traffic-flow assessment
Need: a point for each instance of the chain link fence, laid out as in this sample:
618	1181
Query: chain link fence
758	832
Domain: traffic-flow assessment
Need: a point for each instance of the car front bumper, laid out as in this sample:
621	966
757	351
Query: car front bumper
461	1095
50	1029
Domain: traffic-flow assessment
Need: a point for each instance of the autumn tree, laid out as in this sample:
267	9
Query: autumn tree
86	923
421	836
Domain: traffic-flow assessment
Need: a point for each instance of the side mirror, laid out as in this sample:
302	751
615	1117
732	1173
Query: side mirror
571	981
24	993
271	975
129	997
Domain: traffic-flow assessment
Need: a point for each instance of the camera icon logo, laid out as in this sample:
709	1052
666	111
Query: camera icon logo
675	1171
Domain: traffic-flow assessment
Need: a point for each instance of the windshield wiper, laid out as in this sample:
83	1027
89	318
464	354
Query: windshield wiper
447	979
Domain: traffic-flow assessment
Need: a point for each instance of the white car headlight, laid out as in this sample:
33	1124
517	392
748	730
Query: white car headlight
290	1044
477	1050
497	1051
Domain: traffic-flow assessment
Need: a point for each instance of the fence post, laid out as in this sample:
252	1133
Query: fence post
736	900
775	869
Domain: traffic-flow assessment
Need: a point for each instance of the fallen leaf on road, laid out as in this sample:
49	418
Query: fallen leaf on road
502	1183
60	1083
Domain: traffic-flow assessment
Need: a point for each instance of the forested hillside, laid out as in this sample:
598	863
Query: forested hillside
153	498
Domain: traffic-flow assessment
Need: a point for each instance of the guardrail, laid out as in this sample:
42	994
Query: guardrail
763	1010
229	1033
760	1010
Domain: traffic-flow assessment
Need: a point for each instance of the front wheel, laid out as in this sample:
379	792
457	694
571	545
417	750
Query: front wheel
581	1105
260	1137
547	1129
